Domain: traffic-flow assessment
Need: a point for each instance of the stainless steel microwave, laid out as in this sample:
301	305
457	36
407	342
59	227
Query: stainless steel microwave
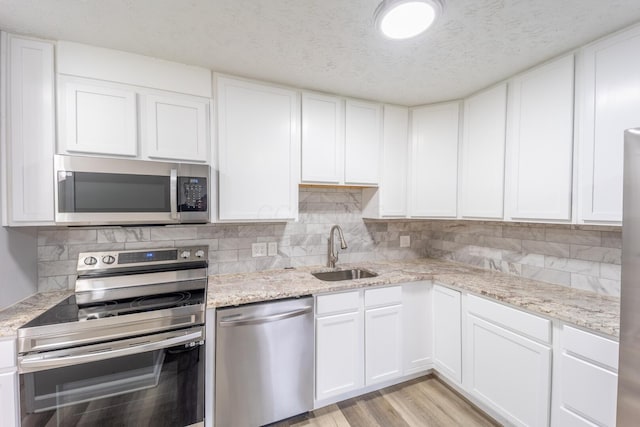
101	191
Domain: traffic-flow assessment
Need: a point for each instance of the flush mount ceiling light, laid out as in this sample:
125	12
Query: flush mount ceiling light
403	19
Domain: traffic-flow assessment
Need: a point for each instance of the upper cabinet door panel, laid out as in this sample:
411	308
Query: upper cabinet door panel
30	130
176	128
482	186
540	143
258	148
393	188
322	139
362	142
610	94
434	155
100	119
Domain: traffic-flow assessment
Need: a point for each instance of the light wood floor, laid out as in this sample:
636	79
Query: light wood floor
424	402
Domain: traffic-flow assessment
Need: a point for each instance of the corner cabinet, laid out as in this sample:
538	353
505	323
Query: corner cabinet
482	155
539	161
434	161
508	361
447	332
389	200
258	151
609	104
27	130
363	125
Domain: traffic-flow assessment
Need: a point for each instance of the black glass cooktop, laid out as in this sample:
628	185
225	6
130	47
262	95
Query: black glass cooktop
69	311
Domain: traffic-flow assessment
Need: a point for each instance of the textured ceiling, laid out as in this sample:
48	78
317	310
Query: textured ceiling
331	45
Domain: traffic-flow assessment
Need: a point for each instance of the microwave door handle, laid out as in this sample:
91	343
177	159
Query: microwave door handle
173	194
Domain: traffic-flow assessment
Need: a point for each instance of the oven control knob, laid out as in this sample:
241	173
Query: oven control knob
90	260
108	259
199	253
185	254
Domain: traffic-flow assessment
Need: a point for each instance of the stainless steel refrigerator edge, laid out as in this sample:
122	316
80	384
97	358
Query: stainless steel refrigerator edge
629	367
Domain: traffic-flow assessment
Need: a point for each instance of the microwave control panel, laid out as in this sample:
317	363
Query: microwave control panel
192	194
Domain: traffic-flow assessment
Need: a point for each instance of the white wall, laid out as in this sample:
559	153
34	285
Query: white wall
18	264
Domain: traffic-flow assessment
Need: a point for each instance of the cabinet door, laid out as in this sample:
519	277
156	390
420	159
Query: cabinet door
609	105
482	156
339	354
363	125
258	149
509	373
434	166
322	139
29	141
176	128
9	399
447	330
417	341
395	149
540	143
97	118
383	344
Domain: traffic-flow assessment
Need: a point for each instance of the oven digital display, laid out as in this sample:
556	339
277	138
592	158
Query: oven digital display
147	256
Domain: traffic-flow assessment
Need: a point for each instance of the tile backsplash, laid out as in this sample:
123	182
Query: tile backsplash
576	256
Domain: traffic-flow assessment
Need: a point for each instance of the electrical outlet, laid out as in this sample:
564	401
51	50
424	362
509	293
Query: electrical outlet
273	249
405	241
258	249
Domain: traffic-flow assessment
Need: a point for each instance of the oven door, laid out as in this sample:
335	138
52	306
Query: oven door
153	380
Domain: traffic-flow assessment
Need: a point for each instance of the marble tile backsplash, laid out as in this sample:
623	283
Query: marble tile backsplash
582	257
299	243
578	256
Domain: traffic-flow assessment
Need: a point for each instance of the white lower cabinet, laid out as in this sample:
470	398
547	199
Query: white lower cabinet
383	344
586	380
447	330
508	363
417	339
9	400
339	344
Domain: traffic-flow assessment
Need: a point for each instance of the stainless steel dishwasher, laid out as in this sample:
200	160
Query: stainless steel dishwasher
264	362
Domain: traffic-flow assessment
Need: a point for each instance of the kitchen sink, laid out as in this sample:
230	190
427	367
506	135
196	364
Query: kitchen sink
334	276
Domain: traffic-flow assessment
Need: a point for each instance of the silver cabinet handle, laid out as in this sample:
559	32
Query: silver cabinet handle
173	193
37	363
265	319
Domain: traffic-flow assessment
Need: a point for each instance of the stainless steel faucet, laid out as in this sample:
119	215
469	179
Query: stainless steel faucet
333	256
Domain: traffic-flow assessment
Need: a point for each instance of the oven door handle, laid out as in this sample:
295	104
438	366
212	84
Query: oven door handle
40	363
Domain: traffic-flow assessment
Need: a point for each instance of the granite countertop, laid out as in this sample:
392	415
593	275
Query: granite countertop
581	308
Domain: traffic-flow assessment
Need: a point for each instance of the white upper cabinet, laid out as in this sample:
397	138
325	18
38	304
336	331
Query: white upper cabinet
176	128
609	103
341	140
390	199
258	151
97	118
113	103
363	125
434	160
27	130
482	154
322	139
540	143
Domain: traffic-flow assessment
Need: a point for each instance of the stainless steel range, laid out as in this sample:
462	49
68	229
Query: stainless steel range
126	349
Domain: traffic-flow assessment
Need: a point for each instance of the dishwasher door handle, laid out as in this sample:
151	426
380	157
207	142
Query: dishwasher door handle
265	319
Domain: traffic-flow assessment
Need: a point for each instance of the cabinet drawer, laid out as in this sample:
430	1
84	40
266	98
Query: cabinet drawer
337	303
383	296
511	318
592	347
7	353
589	390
